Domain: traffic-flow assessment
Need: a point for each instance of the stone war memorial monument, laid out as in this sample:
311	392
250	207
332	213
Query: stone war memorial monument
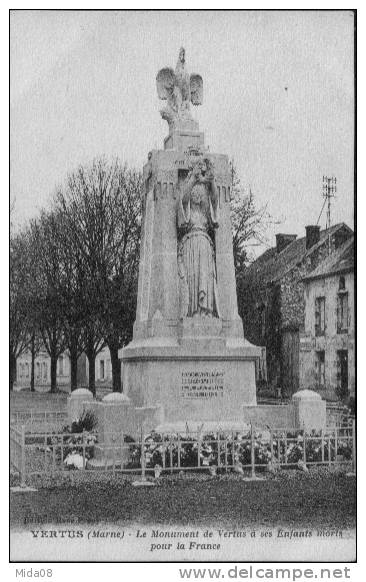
188	366
188	354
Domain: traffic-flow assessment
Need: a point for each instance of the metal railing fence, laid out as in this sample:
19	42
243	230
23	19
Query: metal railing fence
18	452
51	452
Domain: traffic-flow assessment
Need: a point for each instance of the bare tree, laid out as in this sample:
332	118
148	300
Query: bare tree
102	205
48	303
249	223
73	289
34	346
120	284
19	323
21	287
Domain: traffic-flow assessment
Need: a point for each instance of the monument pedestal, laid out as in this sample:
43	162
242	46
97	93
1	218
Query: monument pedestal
77	403
309	410
207	380
116	417
188	355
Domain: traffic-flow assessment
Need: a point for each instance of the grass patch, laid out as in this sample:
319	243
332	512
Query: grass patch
320	498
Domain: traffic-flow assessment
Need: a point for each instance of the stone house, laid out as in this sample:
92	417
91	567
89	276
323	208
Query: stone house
271	299
327	344
42	369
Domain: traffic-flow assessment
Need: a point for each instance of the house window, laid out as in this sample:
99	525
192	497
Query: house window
38	370
319	315
27	370
320	368
342	284
45	370
342	312
61	366
101	370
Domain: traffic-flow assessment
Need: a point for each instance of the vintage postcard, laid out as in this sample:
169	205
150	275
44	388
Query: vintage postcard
182	288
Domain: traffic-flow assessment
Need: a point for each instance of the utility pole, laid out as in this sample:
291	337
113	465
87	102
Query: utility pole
329	192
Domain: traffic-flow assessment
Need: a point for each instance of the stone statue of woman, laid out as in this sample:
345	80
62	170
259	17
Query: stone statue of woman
196	253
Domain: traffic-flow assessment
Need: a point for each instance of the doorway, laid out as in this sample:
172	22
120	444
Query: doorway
342	376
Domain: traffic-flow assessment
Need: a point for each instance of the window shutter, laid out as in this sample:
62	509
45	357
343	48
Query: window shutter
346	312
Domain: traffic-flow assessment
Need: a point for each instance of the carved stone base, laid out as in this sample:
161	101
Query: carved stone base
181	139
197	329
206	380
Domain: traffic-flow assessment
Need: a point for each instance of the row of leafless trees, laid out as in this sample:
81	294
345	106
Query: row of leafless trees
73	271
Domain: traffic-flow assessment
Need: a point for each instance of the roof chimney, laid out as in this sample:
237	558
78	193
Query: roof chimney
282	240
312	235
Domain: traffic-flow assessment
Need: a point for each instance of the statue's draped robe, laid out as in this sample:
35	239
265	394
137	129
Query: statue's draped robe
196	255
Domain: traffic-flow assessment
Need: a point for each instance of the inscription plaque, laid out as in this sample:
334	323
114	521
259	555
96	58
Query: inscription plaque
203	384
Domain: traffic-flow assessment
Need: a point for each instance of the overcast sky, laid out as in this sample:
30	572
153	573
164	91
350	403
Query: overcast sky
278	98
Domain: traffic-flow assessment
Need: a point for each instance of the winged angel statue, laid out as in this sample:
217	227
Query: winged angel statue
179	89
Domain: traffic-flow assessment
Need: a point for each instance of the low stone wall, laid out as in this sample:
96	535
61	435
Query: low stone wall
270	415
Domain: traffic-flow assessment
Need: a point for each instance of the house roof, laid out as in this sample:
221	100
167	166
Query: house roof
272	266
340	261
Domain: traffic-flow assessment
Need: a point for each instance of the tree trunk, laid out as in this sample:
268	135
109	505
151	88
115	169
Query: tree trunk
53	373
116	369
74	367
91	359
33	358
74	371
12	370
